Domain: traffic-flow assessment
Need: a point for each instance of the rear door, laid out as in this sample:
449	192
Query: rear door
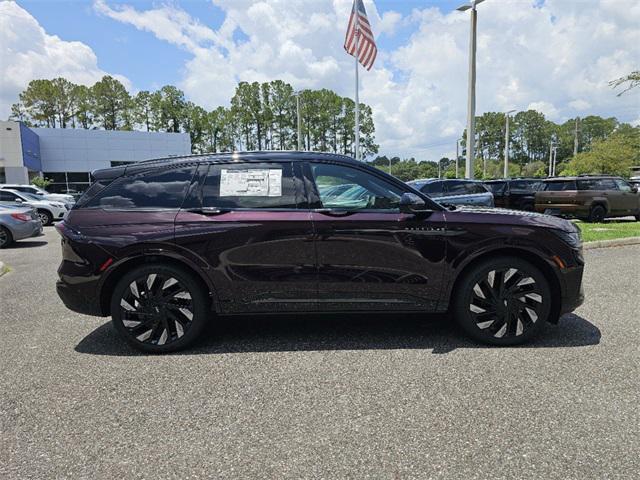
250	224
371	256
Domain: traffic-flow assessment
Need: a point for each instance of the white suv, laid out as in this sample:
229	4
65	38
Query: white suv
61	197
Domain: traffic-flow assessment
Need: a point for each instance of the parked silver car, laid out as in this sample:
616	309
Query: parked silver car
455	191
18	222
39	192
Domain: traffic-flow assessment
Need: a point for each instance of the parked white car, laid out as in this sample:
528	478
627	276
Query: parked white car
61	197
48	210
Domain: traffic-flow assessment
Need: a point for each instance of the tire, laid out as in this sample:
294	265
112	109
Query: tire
597	215
152	313
45	217
6	238
502	301
638	217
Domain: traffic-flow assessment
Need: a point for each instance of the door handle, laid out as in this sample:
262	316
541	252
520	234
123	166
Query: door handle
333	213
208	210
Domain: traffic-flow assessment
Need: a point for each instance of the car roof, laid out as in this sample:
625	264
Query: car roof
579	177
257	156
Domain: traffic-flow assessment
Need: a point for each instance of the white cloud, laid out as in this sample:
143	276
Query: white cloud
555	56
28	53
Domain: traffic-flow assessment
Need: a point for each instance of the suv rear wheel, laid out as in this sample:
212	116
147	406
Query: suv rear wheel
158	308
597	214
503	301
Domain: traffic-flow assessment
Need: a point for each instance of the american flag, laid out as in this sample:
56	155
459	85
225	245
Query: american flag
359	24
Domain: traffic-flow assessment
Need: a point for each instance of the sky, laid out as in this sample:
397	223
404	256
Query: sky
555	56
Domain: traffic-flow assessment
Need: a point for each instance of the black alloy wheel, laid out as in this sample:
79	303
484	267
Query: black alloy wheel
503	302
45	217
5	237
597	215
159	308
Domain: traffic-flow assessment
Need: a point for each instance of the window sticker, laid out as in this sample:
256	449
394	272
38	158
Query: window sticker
252	182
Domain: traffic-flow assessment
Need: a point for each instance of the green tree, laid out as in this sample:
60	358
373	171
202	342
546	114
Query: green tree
111	103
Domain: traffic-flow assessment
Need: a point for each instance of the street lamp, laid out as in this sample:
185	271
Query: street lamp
471	107
506	145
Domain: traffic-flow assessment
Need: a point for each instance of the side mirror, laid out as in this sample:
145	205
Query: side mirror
412	203
634	189
18	200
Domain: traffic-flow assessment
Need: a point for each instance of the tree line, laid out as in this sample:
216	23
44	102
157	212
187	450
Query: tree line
592	144
261	116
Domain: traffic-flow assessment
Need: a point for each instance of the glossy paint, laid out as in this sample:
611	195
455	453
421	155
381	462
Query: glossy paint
305	259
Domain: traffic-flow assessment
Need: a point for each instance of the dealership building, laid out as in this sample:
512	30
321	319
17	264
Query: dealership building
67	156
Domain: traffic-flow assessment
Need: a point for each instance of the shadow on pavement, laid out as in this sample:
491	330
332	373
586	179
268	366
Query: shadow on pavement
341	332
25	244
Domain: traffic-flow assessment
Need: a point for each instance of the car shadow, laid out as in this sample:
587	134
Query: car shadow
340	332
25	244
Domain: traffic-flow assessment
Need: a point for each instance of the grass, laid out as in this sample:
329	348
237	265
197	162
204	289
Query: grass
609	230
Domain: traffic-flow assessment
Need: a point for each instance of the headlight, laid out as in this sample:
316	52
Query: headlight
574	239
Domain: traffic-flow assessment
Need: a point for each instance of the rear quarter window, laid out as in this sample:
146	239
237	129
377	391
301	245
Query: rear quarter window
559	186
155	190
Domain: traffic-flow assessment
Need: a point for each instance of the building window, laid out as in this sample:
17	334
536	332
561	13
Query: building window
3	178
68	182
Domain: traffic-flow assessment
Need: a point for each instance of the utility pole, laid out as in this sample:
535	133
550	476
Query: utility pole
555	156
550	157
299	122
575	138
471	106
506	145
457	155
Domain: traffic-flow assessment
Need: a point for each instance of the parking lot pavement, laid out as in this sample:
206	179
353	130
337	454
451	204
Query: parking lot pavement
318	397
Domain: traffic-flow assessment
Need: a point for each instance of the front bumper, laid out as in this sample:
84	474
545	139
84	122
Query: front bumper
573	291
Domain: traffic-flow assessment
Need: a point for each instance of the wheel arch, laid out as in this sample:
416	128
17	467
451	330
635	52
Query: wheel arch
121	268
534	259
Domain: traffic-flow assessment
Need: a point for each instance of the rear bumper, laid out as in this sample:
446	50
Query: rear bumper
79	298
21	230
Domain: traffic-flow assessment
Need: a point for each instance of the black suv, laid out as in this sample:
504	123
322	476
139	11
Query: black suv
516	193
165	246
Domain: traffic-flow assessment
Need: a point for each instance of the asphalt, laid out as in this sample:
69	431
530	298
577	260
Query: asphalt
318	397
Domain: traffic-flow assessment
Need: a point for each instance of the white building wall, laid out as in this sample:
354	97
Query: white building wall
11	154
78	150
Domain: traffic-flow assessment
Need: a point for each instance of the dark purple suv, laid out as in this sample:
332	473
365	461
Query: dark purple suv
165	246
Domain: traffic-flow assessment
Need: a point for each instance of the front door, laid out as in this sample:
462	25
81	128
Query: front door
248	222
370	256
629	201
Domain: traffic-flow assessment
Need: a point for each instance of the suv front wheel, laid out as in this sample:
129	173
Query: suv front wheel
503	301
159	308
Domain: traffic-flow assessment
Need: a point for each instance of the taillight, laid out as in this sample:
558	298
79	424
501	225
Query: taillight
23	217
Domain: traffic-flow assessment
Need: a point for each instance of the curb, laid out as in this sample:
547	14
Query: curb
618	242
3	269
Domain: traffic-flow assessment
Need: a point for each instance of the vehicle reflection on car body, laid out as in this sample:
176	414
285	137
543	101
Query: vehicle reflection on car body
455	192
164	246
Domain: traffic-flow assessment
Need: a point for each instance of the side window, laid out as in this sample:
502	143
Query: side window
464	188
250	186
622	185
473	188
350	188
607	184
157	190
7	196
433	189
496	187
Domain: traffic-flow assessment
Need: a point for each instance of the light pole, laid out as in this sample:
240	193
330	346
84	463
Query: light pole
299	121
471	107
506	145
457	155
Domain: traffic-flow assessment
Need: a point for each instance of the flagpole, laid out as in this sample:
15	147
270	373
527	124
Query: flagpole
357	87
